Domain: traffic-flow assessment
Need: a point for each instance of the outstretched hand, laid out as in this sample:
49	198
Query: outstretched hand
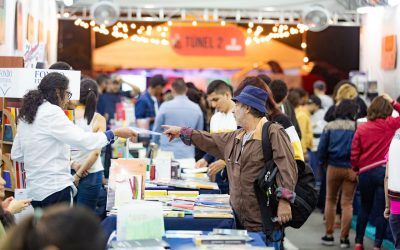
171	132
125	133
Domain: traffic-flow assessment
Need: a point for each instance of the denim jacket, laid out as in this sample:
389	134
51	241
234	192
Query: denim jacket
335	143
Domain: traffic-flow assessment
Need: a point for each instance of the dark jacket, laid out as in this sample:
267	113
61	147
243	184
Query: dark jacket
335	143
289	111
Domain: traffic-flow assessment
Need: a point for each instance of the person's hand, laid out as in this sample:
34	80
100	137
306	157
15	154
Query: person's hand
386	214
284	211
214	168
201	163
171	132
125	133
76	180
16	206
387	97
76	166
7	202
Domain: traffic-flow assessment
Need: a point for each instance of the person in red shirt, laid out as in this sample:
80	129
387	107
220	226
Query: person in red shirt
368	150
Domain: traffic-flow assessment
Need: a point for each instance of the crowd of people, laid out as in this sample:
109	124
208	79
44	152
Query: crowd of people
350	146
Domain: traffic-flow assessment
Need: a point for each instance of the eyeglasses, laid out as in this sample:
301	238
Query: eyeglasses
69	95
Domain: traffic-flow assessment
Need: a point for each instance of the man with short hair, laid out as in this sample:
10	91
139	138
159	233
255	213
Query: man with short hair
103	80
219	95
243	153
320	92
179	111
147	106
280	92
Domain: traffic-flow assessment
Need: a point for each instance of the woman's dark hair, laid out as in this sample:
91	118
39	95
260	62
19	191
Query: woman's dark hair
89	95
279	89
51	88
347	110
380	108
60	226
271	106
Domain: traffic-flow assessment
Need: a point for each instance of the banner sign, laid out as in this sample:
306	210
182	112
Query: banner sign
16	82
208	41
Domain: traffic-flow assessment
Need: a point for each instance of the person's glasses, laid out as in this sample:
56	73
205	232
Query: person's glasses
69	94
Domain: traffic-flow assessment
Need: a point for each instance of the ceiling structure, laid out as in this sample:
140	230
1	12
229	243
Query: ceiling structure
342	12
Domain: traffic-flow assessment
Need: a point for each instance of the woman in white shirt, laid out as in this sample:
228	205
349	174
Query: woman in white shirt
43	141
88	162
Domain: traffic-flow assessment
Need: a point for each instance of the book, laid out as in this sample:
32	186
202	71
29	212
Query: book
219	240
194	170
140	244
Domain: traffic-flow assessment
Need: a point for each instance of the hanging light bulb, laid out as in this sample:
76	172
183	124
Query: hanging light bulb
251	24
170	23
305	59
303	45
133	26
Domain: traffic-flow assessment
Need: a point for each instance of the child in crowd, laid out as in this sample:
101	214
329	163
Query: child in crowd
334	151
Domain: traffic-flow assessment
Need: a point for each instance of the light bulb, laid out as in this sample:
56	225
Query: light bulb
68	2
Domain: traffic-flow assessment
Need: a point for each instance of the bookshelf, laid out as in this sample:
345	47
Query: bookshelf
7	168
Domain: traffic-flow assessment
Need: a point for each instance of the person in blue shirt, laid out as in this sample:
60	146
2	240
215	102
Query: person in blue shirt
180	111
147	106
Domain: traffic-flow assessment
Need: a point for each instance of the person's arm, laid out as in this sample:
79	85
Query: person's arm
323	148
355	152
286	178
61	128
393	122
16	151
211	143
99	126
387	200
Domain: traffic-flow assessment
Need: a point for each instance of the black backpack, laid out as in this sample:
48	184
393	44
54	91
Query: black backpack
265	186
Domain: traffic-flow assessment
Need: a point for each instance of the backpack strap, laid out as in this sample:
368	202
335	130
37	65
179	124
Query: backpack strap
266	210
266	144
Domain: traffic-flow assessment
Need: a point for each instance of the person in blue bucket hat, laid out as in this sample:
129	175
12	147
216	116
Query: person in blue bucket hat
242	152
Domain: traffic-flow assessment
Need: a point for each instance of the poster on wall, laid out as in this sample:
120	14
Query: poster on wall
19	39
2	21
389	52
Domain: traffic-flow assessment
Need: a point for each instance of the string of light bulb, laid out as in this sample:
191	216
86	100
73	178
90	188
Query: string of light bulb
159	35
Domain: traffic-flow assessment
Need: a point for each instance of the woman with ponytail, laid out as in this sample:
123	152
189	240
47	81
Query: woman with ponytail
88	162
44	137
